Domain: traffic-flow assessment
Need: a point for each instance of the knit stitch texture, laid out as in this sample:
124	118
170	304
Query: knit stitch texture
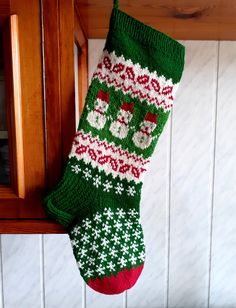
127	105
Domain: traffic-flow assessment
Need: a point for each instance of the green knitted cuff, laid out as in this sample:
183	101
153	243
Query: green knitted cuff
63	218
146	45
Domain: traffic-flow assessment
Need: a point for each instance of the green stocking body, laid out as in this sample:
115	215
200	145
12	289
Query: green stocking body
127	105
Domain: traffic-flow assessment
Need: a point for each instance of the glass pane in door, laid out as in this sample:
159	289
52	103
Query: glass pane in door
4	150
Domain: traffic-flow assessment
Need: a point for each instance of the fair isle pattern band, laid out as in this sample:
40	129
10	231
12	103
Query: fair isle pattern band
108	157
137	81
104	184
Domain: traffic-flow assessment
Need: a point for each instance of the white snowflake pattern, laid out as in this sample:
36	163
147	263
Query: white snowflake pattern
81	264
89	272
91	260
134	247
136	234
116	239
107	186
108	213
104	242
97	181
113	252
83	252
118	225
96	233
100	270
85	238
128	224
126	237
142	256
133	259
120	213
86	223
76	169
119	188
111	266
125	249
102	256
94	247
106	228
98	217
122	261
131	191
76	230
75	243
87	174
109	242
132	212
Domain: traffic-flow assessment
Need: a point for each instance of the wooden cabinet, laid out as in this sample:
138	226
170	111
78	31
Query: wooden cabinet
38	105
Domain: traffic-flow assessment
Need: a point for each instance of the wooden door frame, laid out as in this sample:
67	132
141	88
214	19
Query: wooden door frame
59	100
22	199
59	81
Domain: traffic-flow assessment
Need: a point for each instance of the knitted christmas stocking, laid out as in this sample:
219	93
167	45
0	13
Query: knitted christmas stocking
127	105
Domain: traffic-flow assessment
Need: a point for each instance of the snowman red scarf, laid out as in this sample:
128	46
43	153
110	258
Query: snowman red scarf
143	138
97	117
120	127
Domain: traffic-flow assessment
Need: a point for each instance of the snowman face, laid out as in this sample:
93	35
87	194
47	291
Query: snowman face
125	116
148	126
100	106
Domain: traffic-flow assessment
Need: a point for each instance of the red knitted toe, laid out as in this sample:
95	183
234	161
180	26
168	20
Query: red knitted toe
116	284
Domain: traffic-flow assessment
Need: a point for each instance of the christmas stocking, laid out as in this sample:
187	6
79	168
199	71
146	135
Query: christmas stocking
127	105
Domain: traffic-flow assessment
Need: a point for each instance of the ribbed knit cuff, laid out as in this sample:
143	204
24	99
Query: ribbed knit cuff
63	218
146	34
134	40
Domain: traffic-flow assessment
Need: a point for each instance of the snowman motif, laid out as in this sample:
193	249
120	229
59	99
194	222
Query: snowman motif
142	139
97	117
119	128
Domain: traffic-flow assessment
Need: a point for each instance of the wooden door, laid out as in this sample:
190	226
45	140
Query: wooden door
20	195
38	56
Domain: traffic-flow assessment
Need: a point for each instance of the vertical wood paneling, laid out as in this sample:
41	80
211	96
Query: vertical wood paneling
1	274
42	280
4	7
223	265
96	300
67	95
150	289
21	271
61	274
191	178
52	99
95	48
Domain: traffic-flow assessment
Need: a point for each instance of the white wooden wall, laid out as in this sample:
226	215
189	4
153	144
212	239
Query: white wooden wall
188	208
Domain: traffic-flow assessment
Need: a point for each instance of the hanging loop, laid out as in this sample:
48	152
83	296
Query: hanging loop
116	4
